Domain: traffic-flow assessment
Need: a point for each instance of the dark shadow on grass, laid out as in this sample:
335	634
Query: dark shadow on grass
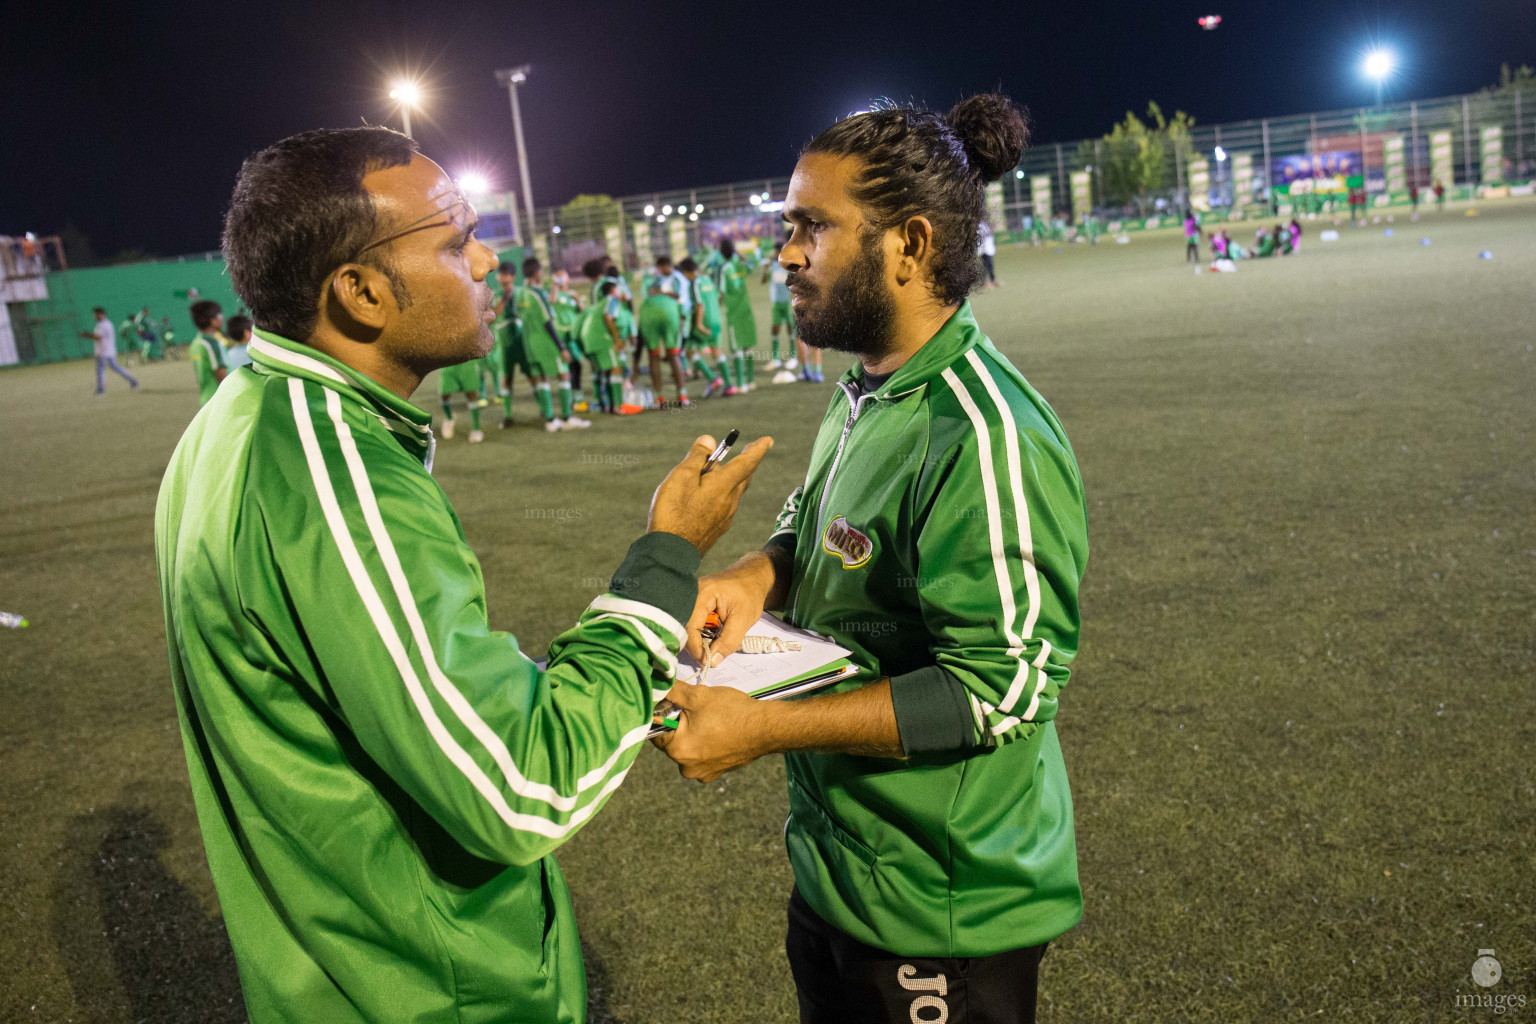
598	989
128	932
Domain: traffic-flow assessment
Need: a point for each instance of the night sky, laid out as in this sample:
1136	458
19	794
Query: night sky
130	122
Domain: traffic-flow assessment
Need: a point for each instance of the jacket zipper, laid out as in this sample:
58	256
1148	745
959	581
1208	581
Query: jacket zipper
855	406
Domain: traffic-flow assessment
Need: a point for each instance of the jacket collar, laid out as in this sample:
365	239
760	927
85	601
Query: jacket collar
958	336
410	425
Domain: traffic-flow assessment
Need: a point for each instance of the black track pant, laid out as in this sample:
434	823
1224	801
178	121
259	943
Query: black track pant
840	980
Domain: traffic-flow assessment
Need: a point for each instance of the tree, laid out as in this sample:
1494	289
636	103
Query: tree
1133	155
1522	77
1179	131
1134	161
78	250
587	215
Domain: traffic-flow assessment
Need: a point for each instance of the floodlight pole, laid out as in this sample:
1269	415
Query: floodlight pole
511	77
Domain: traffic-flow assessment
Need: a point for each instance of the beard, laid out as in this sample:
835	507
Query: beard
856	315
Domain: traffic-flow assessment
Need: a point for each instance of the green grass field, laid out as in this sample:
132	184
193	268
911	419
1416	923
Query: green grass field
1299	731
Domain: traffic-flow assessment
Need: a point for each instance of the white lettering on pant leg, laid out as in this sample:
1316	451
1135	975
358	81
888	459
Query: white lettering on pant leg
922	1003
907	979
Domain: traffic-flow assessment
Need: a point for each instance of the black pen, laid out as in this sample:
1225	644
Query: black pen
720	451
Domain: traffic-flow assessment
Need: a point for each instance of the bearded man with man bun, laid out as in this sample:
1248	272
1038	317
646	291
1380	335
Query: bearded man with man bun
941	536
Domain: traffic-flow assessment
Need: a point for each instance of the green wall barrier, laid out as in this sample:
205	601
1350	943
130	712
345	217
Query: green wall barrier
122	291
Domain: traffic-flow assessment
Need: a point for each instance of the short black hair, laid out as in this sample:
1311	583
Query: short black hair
663	259
530	266
608	286
300	211
687	265
203	312
98	309
593	268
921	162
238	327
727	248
506	267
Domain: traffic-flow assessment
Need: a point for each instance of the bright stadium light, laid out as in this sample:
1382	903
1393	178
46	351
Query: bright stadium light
660	219
693	216
1018	174
474	184
555	229
1379	65
407	93
1221	154
756	199
667	209
649	209
698	208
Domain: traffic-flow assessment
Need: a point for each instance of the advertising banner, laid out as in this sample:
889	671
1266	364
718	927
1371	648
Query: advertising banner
613	235
1327	172
995	215
1082	195
1493	154
677	238
1200	184
1441	167
1242	178
1392	159
1040	197
641	229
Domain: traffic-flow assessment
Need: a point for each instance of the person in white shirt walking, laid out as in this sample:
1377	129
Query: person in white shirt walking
986	247
105	337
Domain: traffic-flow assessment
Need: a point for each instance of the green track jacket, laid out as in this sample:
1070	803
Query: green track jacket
379	776
941	530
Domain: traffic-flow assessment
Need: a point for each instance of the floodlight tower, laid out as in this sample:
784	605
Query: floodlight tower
408	94
511	78
1378	65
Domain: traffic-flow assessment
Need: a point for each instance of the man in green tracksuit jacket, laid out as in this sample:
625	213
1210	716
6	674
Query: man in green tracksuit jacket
941	535
379	776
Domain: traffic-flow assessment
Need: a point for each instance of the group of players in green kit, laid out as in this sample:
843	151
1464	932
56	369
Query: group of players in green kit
692	321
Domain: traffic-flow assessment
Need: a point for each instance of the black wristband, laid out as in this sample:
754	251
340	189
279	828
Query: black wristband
661	569
933	711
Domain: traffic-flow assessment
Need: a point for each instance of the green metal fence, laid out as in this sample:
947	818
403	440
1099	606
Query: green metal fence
1479	143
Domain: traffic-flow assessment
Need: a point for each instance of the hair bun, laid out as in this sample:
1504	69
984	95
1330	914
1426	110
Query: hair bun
993	130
